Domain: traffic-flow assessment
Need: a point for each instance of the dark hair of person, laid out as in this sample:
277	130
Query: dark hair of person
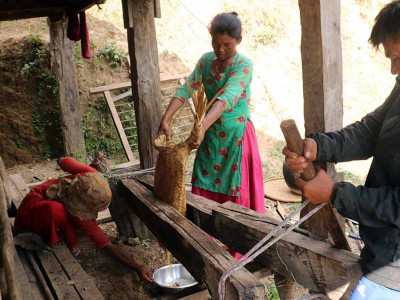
387	24
226	23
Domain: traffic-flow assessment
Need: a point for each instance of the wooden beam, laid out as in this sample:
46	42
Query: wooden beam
201	255
145	76
8	251
157	8
6	186
83	283
26	287
110	87
59	281
63	53
118	125
24	9
39	287
321	51
314	264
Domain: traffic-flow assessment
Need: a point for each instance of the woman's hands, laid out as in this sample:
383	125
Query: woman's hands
145	275
196	144
142	272
165	129
173	107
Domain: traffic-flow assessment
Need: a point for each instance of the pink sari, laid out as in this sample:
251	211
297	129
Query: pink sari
252	188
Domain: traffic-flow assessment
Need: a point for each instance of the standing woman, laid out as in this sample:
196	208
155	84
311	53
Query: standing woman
228	165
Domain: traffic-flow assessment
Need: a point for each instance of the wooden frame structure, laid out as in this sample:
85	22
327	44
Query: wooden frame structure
327	268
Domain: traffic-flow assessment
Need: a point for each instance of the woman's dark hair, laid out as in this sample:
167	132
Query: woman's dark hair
387	24
228	23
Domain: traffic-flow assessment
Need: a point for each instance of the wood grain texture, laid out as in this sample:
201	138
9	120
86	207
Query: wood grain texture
316	265
330	220
145	76
56	276
63	53
118	125
8	250
6	186
201	255
39	287
321	51
83	283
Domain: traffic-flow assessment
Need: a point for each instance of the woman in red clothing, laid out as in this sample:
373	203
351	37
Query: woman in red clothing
56	207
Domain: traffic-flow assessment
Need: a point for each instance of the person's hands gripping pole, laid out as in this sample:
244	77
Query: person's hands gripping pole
298	163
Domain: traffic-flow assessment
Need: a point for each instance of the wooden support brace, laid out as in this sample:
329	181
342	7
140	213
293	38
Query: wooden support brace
316	265
201	255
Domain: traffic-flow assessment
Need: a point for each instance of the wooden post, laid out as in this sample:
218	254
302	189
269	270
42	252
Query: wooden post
8	250
143	54
63	53
321	51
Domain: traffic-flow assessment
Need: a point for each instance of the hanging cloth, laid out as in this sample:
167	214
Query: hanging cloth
77	30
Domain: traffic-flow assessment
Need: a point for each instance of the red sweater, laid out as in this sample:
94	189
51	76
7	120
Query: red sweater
32	213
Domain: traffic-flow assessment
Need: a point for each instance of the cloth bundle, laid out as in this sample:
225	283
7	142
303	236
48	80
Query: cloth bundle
83	196
77	30
169	180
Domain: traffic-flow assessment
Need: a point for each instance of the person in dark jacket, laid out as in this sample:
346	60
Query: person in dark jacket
376	205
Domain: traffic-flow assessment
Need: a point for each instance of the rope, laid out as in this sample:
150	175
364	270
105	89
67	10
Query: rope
126	172
259	248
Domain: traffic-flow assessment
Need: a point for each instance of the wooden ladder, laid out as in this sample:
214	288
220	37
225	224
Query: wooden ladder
123	112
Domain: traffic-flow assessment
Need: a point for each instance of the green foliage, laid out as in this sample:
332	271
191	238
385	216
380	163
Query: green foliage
144	243
272	292
99	130
294	206
45	111
114	56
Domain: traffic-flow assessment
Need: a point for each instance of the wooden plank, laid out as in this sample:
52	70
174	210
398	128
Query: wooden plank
164	78
20	184
145	76
83	283
110	87
39	288
4	178
118	125
63	53
33	184
316	265
157	9
119	210
202	295
200	255
122	96
60	283
104	216
322	86
8	250
26	288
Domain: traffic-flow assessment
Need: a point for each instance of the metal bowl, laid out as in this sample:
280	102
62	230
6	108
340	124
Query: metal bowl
173	278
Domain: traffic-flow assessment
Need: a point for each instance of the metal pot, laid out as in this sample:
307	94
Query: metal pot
173	278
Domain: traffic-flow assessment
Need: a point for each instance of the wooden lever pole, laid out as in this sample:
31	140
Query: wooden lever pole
295	144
